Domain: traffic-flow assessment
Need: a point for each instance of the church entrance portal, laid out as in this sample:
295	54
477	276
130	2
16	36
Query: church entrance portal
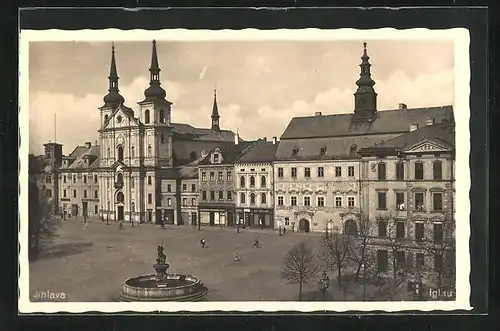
121	216
304	225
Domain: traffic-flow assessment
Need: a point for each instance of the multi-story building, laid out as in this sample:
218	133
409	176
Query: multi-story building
216	205
408	192
254	183
318	168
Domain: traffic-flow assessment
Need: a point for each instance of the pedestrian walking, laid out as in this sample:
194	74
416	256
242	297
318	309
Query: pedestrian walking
284	230
120	225
256	243
202	242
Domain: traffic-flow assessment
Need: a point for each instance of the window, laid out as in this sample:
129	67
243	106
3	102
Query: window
293	201
221	195
437	201
350	202
74	193
438	262
150	198
229	176
307	201
252	181
74	179
382	257
400	230
381	171
229	195
184	201
350	171
263	198
162	116
106	118
149	180
382	202
146	116
193	187
184	187
220	176
419	170
382	228
294	172
438	233
321	172
132	151
169	202
64	193
216	157
193	201
338	171
48	178
95	210
437	170
280	172
212	195
307	172
420	260
64	179
400	259
120	153
338	201
95	178
252	199
280	201
242	181
212	176
400	171
203	176
162	138
400	201
204	195
169	188
321	201
96	194
109	152
149	151
49	193
322	151
419	201
263	181
419	231
242	198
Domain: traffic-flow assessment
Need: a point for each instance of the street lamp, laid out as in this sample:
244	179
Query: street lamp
324	283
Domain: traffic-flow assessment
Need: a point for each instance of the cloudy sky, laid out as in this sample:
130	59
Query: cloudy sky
260	85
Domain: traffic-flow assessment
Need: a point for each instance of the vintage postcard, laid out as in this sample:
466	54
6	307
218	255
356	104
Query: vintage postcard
249	170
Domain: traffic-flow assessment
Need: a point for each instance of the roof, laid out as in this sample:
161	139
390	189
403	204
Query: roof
36	164
262	151
191	132
442	133
80	153
230	153
386	121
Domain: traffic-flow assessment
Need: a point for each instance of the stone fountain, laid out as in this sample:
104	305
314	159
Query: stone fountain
163	286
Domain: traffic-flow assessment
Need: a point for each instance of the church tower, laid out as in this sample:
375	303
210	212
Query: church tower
113	99
365	98
215	114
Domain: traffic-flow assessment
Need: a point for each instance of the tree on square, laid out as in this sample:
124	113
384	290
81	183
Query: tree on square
299	266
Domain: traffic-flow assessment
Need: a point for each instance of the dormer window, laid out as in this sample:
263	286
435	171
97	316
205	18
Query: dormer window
216	158
322	151
295	151
353	149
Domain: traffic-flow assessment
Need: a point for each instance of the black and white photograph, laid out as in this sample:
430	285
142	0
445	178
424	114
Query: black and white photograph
244	170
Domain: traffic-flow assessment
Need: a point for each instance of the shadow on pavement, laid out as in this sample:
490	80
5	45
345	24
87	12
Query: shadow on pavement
61	250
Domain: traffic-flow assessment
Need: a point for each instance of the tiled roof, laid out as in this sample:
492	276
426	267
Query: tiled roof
191	132
441	133
262	151
230	153
80	152
387	121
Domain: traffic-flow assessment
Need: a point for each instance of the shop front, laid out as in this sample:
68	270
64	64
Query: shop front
216	215
254	218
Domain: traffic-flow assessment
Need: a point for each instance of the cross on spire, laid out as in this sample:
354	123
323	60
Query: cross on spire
215	113
113	98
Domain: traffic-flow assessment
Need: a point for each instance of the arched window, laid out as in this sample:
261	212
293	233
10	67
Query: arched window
162	116
263	198
132	151
146	116
149	180
120	197
193	156
263	181
242	181
252	181
242	198
350	228
105	118
149	151
109	153
120	153
119	178
252	198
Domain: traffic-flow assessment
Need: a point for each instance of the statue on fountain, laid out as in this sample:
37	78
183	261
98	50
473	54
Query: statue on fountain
161	267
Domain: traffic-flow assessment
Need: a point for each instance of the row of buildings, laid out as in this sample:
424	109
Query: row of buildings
326	172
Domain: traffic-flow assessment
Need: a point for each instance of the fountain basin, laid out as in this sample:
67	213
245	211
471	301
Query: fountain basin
176	287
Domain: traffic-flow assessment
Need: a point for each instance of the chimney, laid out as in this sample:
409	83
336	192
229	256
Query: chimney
274	140
265	138
318	113
88	144
402	106
413	127
429	121
236	138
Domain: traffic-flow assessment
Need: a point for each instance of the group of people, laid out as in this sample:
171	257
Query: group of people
236	257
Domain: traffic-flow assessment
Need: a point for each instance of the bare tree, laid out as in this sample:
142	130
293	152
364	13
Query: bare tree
299	266
335	253
360	246
398	245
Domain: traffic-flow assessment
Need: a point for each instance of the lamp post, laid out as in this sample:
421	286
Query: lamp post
324	283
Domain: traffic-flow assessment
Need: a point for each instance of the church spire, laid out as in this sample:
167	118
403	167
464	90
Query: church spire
154	91
215	113
113	98
365	96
